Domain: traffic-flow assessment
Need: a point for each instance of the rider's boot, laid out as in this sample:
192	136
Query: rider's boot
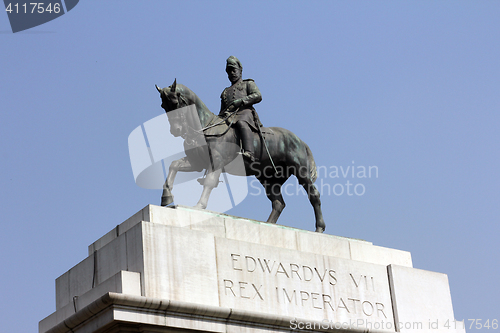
246	136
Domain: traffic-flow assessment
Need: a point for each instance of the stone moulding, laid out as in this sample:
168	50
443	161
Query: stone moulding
164	307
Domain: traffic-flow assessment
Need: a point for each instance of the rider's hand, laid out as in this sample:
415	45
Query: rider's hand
237	103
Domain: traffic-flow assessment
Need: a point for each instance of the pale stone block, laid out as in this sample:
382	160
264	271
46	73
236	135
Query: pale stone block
189	217
179	264
214	226
261	233
62	290
49	322
103	241
111	259
120	254
129	283
179	216
183	216
379	255
222	225
169	216
422	300
365	293
322	244
122	282
285	282
202	220
80	281
175	263
142	215
134	252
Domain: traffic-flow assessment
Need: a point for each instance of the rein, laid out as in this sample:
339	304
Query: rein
216	124
201	131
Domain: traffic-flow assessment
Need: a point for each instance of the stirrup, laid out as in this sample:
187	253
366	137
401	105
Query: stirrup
249	156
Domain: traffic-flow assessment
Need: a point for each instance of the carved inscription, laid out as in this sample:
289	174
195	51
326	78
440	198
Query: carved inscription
318	286
288	270
325	301
364	279
242	290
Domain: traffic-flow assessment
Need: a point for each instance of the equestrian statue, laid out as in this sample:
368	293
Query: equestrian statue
212	143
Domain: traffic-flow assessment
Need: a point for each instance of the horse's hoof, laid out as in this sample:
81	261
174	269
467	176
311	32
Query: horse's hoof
319	229
200	206
167	200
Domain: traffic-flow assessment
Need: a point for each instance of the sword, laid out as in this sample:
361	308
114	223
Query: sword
267	149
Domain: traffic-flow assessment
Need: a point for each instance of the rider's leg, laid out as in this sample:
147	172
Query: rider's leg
246	136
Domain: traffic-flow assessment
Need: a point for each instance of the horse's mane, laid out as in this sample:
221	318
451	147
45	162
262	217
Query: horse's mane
188	97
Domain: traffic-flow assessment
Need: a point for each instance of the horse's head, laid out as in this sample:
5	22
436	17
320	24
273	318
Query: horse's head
171	97
182	121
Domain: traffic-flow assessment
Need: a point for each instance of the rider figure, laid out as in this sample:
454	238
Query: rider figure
241	96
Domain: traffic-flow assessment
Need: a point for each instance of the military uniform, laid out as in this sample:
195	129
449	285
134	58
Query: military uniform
241	96
247	91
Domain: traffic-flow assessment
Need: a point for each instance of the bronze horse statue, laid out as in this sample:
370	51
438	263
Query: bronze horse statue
211	145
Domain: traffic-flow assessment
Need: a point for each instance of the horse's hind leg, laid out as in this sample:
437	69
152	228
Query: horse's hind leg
313	194
273	192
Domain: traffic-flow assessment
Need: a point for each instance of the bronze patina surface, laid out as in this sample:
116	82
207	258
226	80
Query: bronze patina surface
270	154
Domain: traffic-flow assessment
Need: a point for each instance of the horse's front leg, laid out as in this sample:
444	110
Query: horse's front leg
179	165
211	181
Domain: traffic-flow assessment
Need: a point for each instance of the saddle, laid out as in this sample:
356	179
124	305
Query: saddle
219	126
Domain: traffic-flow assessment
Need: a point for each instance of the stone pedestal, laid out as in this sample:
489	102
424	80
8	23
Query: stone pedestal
180	269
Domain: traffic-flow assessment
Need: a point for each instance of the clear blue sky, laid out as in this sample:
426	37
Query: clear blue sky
411	87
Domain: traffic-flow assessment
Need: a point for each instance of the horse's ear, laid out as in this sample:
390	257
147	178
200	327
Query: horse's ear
158	88
174	85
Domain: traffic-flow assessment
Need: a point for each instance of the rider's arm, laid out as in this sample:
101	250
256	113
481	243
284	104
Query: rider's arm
253	94
223	105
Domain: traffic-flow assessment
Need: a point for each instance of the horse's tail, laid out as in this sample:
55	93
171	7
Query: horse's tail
313	170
